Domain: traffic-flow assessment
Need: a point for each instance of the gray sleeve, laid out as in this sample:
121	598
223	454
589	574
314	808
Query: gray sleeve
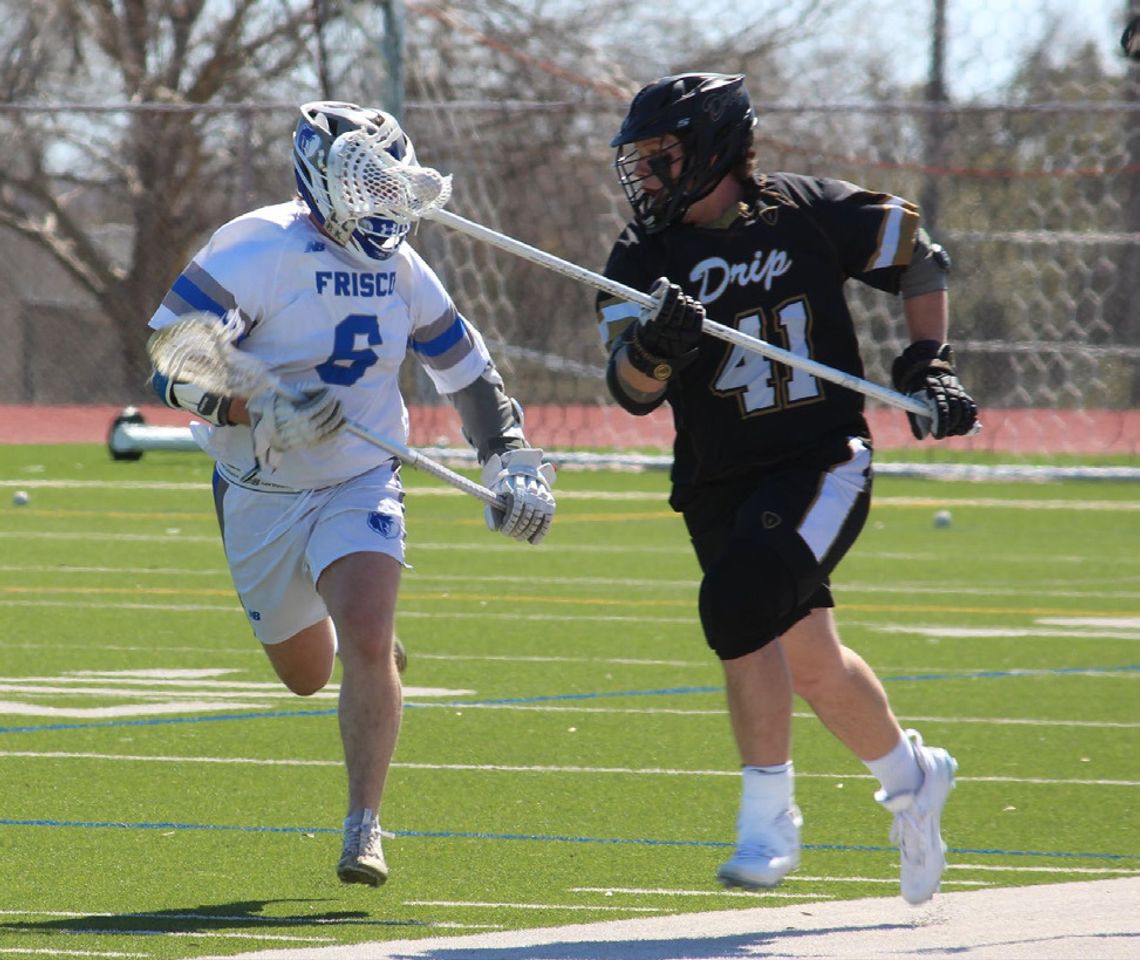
492	421
927	270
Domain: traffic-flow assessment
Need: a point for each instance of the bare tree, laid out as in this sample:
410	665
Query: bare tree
164	170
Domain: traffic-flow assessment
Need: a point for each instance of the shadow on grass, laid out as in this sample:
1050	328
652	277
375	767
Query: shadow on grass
773	944
205	918
766	943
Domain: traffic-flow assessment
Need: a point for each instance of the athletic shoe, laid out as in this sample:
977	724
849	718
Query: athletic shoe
764	858
916	829
362	860
400	654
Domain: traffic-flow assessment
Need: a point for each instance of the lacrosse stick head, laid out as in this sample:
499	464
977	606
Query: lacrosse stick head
198	348
357	171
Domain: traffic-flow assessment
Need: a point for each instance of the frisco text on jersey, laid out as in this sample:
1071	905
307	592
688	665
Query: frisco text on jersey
349	283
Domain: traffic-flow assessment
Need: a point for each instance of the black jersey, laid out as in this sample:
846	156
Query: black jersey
774	269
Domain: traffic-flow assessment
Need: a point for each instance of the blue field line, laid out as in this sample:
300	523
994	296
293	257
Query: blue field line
544	698
541	838
1003	674
596	695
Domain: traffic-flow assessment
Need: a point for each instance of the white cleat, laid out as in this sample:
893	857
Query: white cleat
763	859
362	859
916	830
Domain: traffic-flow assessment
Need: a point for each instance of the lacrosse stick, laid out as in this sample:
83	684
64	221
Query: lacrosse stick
198	348
374	183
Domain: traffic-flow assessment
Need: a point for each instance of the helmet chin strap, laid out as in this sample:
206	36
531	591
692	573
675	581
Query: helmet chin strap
338	231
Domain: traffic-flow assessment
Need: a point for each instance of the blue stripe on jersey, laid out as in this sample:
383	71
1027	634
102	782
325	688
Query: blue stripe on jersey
196	296
444	342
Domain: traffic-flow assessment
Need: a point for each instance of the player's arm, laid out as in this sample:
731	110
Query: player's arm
926	367
492	423
278	423
208	282
180	395
636	392
650	346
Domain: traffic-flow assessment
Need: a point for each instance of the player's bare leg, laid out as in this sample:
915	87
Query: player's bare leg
916	780
840	687
759	692
360	592
305	661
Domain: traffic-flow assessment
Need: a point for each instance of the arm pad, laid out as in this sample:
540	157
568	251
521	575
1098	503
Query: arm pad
492	421
927	270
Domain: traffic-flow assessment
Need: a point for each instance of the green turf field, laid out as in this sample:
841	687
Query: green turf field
565	756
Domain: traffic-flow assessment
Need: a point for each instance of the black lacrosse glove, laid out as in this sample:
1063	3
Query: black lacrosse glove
925	370
668	334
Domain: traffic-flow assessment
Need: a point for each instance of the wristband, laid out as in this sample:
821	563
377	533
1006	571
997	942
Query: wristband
644	362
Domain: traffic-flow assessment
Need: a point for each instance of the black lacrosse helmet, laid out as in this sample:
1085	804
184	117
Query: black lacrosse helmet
710	113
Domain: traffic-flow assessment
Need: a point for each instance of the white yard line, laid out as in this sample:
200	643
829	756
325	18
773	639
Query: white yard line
494	905
633	496
251	919
900	587
523	768
1105	871
790	880
1091	632
204	934
57	952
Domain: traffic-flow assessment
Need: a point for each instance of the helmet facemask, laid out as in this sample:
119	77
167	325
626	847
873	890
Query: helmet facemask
322	125
656	208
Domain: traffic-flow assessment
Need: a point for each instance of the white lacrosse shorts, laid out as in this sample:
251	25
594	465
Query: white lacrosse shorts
278	542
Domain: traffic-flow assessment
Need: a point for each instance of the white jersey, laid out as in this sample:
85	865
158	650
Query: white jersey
319	317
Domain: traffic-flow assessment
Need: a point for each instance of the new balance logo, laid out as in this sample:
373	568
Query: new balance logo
314	246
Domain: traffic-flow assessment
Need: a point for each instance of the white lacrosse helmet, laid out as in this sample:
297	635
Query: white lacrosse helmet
322	122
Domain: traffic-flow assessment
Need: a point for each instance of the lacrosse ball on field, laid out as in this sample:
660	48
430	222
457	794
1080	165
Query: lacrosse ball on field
942	518
20	498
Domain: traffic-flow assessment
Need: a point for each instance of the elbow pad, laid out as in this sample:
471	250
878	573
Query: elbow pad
185	396
927	270
492	422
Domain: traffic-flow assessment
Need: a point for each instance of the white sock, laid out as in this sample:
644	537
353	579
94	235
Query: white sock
359	818
898	771
766	793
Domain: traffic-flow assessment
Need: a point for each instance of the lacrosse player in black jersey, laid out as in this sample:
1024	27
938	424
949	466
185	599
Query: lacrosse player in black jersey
772	466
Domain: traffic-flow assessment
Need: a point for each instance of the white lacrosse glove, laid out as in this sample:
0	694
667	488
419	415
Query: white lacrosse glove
524	481
280	424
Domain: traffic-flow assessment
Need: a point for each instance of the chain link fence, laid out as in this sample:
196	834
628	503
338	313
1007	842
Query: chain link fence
1036	196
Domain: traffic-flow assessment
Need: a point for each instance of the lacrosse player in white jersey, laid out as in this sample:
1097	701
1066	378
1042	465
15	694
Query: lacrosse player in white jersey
312	517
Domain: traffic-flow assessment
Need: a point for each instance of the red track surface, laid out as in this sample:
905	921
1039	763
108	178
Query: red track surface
1097	432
